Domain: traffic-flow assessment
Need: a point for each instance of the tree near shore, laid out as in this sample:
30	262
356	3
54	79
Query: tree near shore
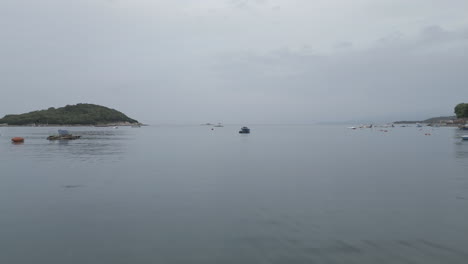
461	110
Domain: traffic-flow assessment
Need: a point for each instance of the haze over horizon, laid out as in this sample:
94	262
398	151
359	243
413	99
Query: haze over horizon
237	61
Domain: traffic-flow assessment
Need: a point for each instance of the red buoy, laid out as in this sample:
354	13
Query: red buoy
17	140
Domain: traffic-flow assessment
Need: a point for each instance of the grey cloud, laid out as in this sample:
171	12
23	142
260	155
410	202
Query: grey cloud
392	76
233	60
437	34
343	45
246	3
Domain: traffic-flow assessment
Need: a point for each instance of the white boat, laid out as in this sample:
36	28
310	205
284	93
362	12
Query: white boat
218	125
464	137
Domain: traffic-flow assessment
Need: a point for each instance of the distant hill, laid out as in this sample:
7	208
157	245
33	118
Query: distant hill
79	114
429	121
438	119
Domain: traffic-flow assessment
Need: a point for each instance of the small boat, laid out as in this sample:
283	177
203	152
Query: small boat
218	125
465	127
136	126
464	137
63	135
418	125
244	130
352	127
17	140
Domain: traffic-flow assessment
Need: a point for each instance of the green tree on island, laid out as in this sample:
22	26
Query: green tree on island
80	114
461	110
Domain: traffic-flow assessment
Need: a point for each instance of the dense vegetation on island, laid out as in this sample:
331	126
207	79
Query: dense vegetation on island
79	114
461	110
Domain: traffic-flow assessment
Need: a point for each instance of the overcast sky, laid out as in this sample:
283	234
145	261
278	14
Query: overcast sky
237	61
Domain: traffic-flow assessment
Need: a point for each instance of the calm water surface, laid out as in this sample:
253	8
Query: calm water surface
187	194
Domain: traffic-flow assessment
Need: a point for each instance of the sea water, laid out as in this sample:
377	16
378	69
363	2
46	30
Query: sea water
190	194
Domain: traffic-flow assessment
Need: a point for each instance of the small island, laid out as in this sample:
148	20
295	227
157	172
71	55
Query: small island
70	115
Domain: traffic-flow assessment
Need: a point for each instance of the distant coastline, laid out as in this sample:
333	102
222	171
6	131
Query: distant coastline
450	121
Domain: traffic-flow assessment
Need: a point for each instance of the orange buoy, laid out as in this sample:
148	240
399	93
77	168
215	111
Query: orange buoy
17	140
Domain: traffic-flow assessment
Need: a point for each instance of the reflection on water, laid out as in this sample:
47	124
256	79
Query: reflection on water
285	251
461	146
93	146
461	150
461	156
189	194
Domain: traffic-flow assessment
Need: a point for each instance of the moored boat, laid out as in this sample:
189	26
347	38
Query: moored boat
63	135
59	137
464	137
244	130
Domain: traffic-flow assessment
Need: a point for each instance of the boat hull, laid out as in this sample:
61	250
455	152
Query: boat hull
68	137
